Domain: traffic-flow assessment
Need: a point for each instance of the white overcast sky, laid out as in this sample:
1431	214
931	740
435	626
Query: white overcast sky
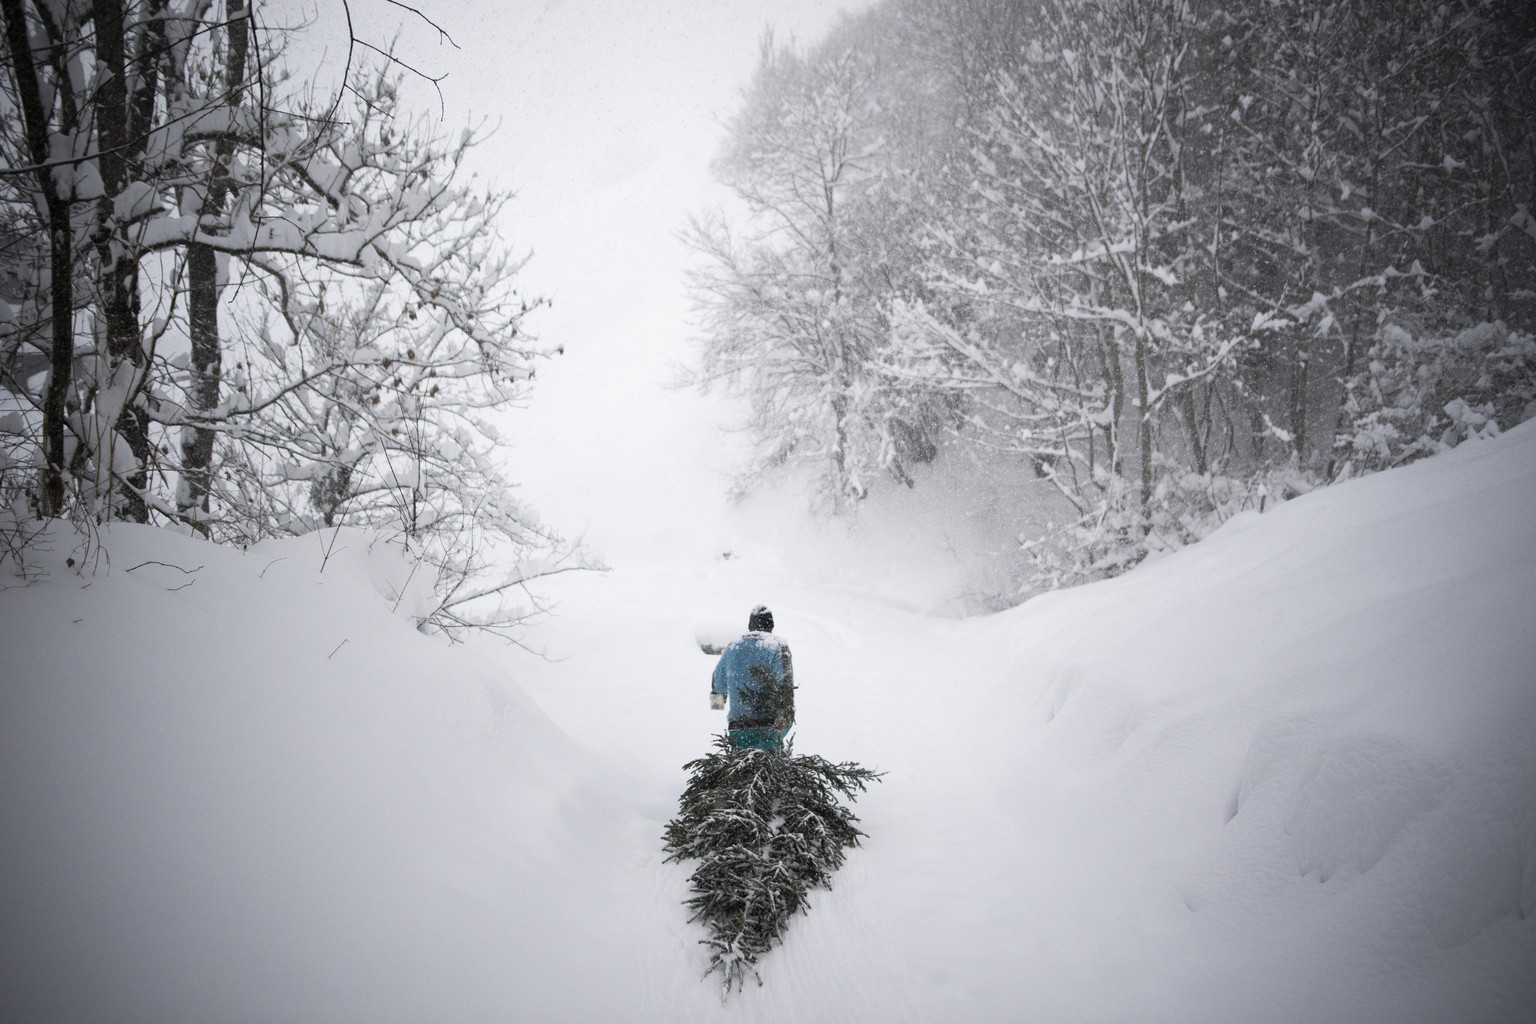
608	113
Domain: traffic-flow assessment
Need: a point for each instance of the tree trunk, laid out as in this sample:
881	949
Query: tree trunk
203	291
119	270
203	386
61	260
1195	426
1299	374
1144	428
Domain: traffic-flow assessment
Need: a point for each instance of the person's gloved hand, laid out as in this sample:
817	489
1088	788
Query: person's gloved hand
717	702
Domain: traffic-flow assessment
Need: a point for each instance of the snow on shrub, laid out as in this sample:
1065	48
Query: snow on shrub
1116	534
1422	395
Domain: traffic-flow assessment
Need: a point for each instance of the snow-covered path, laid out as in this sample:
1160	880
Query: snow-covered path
1286	775
1222	788
627	678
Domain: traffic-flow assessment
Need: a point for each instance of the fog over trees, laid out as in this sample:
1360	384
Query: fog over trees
1169	259
1175	258
236	304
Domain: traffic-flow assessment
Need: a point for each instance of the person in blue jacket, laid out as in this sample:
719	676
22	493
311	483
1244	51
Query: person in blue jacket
757	677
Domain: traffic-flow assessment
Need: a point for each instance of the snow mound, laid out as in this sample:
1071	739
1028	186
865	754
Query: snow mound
1318	729
240	786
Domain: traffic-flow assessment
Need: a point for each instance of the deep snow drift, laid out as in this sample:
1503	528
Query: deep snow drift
1287	774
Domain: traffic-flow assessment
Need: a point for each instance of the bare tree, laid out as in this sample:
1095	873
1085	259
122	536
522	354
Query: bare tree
794	305
268	312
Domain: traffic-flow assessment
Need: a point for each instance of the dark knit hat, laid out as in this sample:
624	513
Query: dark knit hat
761	620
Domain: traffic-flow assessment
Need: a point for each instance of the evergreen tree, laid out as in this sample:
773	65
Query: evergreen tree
766	829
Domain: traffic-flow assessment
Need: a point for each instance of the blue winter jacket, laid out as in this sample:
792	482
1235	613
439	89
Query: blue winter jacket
757	674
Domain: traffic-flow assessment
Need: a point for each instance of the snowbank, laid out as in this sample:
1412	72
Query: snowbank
1297	760
1287	774
239	786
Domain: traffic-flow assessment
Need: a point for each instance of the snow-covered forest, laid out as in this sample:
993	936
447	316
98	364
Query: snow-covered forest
1179	259
1123	406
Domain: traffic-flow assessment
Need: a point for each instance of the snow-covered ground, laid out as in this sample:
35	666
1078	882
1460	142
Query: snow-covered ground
1288	774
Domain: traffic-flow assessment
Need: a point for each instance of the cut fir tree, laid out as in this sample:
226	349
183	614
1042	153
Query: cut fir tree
766	829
